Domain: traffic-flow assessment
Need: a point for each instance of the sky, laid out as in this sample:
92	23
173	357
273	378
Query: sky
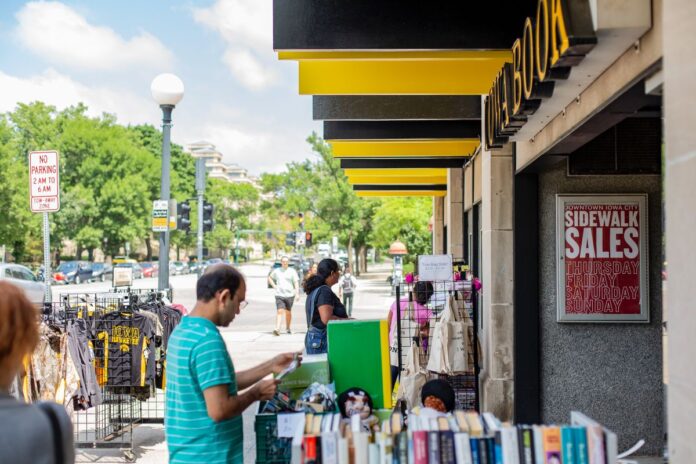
105	54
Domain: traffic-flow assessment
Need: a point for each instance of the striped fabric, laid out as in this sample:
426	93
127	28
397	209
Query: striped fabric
197	359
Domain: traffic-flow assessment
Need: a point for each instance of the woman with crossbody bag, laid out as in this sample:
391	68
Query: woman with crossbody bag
38	433
322	305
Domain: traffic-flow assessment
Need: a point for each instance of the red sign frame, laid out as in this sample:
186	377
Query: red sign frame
602	258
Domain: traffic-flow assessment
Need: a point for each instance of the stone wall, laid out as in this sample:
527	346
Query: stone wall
611	372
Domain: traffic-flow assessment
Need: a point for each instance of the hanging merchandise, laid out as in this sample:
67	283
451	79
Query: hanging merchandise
412	379
448	352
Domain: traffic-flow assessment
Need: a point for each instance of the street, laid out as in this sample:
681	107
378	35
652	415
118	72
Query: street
249	340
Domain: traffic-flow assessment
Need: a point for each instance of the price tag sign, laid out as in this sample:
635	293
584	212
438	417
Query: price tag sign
44	181
289	423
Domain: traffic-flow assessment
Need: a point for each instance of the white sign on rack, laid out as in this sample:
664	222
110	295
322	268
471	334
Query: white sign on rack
44	181
160	215
434	268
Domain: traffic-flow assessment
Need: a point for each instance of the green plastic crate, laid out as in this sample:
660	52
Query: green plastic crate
270	448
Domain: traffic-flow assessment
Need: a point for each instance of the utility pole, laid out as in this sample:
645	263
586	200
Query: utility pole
200	190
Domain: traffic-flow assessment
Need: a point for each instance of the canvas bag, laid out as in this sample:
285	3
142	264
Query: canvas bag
412	378
407	329
449	345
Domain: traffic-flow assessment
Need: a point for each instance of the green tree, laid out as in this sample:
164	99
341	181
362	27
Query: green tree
404	219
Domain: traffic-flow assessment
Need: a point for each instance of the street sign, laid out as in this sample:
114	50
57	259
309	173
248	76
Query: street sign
300	238
44	181
160	215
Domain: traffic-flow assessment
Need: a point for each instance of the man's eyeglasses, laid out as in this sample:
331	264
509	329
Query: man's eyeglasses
243	304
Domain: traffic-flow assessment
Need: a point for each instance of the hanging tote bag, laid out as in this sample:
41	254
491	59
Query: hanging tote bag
412	378
448	350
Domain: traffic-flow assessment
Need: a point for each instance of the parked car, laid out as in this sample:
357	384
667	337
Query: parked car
210	262
178	268
137	270
73	272
22	277
193	267
102	272
150	269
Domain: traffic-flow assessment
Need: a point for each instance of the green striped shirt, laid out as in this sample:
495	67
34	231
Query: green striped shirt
197	359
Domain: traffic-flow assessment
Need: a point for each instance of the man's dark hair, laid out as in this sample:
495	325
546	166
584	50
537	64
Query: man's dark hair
216	278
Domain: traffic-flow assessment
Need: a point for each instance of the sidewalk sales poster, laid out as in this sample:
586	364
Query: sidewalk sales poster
602	258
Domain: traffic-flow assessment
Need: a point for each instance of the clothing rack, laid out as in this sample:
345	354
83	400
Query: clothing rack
128	346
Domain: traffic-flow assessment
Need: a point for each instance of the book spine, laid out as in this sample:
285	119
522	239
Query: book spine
483	451
434	447
538	444
568	445
473	442
310	449
462	448
580	435
490	447
498	446
447	451
343	451
420	447
329	448
525	442
372	453
552	445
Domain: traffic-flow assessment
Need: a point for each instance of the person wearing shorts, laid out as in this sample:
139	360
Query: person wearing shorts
286	283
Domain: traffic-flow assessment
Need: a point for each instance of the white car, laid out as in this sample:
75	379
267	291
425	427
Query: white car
22	277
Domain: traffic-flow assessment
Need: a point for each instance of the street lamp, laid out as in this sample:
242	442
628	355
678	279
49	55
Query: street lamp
167	90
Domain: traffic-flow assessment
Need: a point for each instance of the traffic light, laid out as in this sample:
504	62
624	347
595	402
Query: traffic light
301	223
290	239
308	239
183	216
208	222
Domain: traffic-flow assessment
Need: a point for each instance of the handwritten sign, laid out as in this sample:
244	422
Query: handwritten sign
434	268
289	423
602	258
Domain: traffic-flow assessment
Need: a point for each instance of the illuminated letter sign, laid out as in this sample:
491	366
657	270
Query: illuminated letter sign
548	47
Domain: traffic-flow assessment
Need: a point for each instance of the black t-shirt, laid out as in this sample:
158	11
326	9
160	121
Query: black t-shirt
324	296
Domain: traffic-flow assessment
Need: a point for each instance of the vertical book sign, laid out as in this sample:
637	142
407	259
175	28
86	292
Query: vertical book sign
44	181
602	258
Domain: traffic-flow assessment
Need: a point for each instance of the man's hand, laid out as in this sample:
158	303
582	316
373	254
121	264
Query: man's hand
283	360
265	389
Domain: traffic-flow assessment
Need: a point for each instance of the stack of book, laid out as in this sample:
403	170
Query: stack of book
460	437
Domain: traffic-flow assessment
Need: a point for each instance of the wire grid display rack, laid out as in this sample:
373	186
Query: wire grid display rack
124	405
415	327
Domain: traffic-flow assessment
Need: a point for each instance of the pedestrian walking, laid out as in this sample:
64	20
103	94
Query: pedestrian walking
322	305
36	433
203	410
346	289
286	283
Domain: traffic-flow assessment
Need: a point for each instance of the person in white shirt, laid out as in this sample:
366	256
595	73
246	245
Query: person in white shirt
346	289
287	290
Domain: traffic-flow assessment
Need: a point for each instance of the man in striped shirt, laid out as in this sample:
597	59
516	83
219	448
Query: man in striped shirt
203	412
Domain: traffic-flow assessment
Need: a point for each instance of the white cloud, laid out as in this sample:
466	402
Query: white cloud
60	35
254	150
247	28
61	91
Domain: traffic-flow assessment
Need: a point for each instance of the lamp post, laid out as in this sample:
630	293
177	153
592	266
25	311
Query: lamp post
167	90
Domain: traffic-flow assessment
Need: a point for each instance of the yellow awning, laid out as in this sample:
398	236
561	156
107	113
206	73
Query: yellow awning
412	148
380	180
397	172
395	55
401	193
398	77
